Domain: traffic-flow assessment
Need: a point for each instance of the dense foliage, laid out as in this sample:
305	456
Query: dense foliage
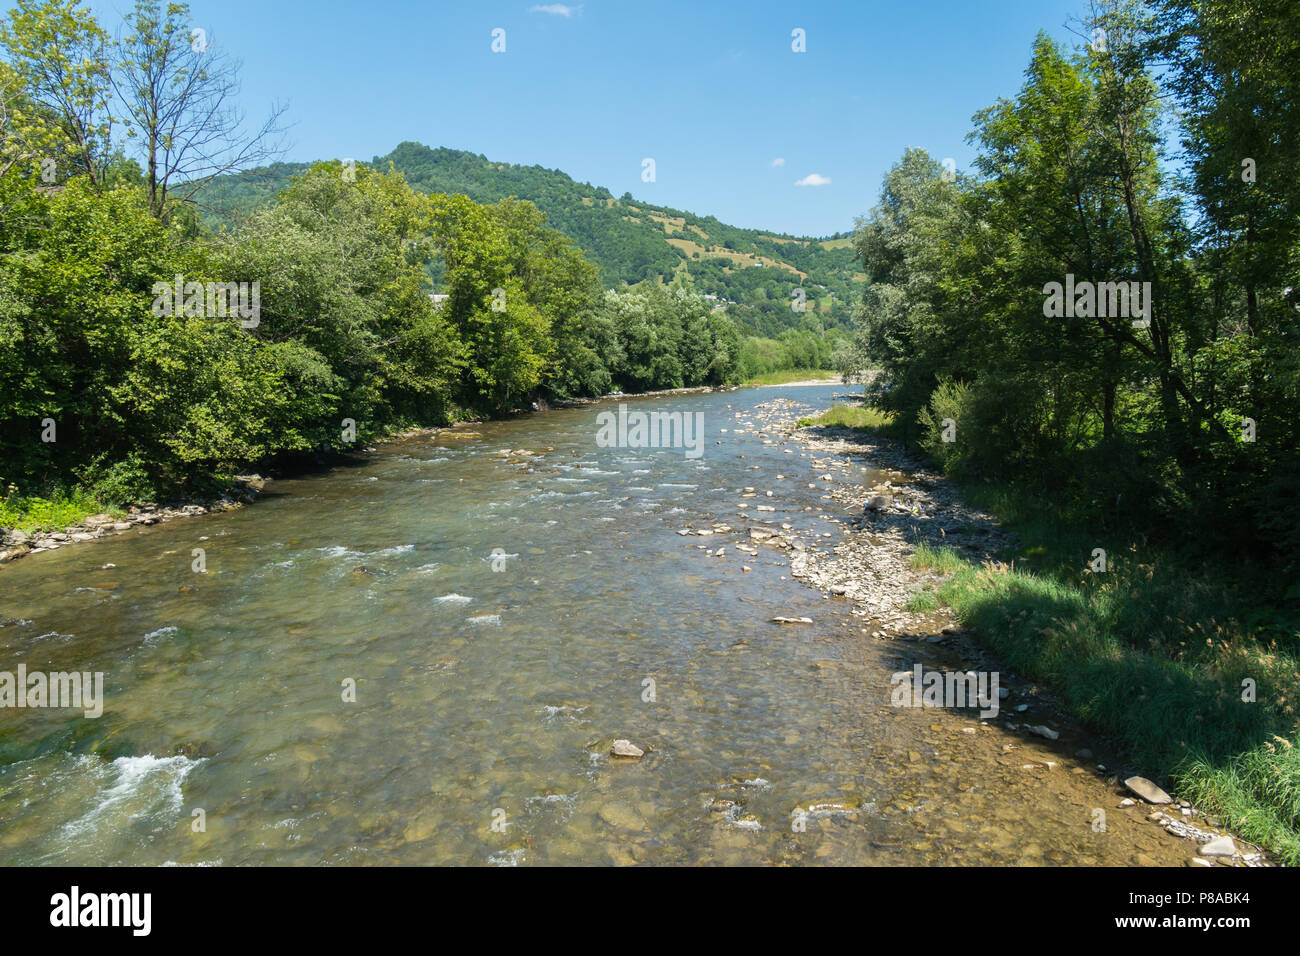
1190	423
1146	460
346	327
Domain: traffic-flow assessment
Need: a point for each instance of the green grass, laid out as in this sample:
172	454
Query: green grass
851	416
33	513
794	375
939	560
922	602
1152	653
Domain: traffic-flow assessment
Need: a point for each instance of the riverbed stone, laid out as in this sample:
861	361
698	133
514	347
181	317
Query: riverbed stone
621	816
1220	846
1147	790
625	748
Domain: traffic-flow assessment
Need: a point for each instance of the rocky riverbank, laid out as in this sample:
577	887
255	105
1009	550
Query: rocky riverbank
18	544
910	504
902	505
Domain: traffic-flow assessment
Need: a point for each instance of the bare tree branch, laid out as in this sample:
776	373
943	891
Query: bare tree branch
181	99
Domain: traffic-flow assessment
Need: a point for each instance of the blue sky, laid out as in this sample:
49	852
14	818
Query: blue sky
710	90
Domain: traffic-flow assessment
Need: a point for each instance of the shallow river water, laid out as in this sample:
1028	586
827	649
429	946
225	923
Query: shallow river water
503	619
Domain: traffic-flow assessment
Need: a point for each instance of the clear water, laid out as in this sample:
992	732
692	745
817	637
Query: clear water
488	691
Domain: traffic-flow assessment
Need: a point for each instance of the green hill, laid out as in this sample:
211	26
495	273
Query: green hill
630	241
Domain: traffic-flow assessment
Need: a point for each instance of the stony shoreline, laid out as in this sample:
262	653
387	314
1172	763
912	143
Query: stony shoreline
808	381
908	503
19	544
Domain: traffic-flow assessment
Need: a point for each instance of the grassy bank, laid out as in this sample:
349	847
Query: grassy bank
1159	652
62	509
794	375
851	416
1168	658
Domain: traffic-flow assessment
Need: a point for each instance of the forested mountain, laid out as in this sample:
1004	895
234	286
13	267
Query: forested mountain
628	240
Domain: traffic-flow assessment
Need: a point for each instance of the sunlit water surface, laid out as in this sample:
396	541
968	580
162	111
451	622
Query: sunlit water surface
488	689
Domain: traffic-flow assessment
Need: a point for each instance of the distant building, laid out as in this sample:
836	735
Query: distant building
438	298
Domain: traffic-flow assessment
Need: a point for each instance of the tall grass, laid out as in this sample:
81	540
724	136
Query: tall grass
940	560
794	375
62	509
851	416
1154	653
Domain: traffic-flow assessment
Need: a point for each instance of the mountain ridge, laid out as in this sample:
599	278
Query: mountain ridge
629	240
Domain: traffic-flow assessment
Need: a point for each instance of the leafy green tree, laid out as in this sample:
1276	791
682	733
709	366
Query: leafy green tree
345	298
55	86
184	398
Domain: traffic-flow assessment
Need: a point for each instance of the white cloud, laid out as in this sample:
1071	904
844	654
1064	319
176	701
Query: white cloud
814	179
778	161
558	9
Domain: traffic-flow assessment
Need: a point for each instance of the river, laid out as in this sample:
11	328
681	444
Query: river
423	658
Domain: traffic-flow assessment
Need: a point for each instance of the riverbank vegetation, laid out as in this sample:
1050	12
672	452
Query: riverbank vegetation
851	416
1146	455
1187	672
794	375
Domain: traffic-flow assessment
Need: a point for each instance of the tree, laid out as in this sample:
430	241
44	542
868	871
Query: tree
344	301
179	95
1232	70
55	90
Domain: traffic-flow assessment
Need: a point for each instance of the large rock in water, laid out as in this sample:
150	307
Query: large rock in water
1220	846
625	748
1147	790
